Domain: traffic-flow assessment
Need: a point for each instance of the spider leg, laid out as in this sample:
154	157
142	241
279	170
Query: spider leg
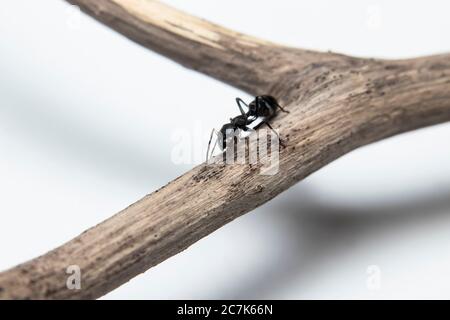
212	151
239	101
247	128
209	144
273	130
282	109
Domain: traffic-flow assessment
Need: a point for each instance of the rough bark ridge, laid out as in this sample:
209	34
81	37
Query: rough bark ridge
337	103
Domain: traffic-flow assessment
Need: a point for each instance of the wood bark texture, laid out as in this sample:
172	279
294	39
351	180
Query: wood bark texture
337	103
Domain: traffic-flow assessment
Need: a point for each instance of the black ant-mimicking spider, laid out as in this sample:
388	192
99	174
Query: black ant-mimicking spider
264	107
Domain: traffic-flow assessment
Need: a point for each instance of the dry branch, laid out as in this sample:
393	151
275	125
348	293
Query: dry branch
337	103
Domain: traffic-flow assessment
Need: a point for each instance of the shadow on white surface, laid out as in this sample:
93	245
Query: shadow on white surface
321	236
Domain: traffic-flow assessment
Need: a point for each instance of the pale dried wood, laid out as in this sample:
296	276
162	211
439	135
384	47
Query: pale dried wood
337	103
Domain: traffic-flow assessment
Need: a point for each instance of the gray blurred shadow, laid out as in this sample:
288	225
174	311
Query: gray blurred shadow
45	122
320	231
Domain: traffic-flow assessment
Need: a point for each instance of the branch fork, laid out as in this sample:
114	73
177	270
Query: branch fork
337	103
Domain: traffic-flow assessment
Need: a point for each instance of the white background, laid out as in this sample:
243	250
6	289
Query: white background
86	121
